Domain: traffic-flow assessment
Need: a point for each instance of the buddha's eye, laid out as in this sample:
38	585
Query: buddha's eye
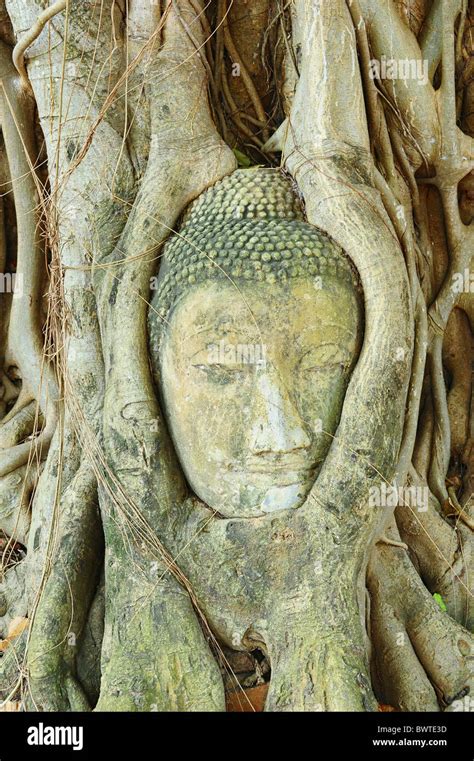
327	359
333	367
219	373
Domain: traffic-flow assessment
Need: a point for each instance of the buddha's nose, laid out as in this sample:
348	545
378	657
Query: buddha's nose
276	426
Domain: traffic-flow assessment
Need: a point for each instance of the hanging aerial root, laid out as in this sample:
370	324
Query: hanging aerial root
25	337
25	340
24	43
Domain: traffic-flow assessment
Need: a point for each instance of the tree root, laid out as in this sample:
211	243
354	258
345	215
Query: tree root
442	555
15	502
25	344
12	597
17	428
143	610
422	658
12	670
23	454
384	539
88	662
64	598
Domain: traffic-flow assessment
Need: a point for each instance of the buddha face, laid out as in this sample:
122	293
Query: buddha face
253	378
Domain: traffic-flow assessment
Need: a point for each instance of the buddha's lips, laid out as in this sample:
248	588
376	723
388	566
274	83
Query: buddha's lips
269	463
286	472
271	468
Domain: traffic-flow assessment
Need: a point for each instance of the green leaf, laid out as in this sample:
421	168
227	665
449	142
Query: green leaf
242	159
440	601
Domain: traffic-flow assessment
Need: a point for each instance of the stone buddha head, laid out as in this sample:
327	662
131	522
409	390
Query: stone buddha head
255	327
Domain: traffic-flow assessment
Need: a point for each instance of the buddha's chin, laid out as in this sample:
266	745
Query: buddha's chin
283	498
249	501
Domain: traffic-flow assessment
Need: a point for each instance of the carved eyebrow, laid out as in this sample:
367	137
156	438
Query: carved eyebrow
198	351
342	328
212	328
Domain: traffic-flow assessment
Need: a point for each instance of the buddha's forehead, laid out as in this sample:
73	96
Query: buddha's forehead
289	310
